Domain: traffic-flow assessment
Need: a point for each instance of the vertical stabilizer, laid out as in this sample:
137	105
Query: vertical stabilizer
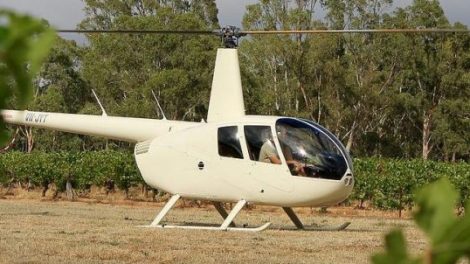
226	102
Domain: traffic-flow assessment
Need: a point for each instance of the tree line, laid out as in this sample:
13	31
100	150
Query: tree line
388	95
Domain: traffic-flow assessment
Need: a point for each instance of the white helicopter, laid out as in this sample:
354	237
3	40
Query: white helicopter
232	157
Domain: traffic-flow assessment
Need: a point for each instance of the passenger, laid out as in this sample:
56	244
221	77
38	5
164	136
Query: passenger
268	153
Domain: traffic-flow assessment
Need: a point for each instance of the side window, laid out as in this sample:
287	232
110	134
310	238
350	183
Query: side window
229	143
261	147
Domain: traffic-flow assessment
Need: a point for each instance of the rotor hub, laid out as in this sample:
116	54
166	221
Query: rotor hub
230	36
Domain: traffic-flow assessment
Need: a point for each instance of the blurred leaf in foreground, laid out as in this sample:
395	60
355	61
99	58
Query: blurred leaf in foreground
24	43
449	235
396	252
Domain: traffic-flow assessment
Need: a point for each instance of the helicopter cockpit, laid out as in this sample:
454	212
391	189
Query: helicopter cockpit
310	150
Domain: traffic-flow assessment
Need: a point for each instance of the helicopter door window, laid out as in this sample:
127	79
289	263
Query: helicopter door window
229	142
261	147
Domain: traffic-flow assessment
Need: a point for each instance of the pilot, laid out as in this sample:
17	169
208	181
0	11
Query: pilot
268	153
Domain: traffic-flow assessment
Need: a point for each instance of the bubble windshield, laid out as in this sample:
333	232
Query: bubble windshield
310	151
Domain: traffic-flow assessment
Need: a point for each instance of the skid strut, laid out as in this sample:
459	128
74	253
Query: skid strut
220	208
236	209
165	210
293	217
227	225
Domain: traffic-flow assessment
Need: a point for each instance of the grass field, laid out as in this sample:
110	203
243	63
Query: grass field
33	231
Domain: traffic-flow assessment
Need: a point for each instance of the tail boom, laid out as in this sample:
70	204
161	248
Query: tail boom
127	129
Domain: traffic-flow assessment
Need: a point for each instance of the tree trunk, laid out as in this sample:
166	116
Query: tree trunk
44	190
29	139
146	191
12	142
276	94
426	135
56	194
319	112
69	190
29	185
10	186
400	202
446	155
154	194
304	94
351	137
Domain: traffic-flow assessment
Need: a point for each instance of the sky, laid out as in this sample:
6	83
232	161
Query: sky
66	14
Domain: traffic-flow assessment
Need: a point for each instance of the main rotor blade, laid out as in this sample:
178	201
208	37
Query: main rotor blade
351	31
132	31
270	32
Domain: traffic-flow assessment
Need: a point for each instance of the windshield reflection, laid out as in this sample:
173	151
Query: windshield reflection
309	151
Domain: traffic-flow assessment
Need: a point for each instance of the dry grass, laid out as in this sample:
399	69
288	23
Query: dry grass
33	231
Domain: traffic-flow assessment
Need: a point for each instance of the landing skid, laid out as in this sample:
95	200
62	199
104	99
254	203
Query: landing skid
215	228
227	225
327	228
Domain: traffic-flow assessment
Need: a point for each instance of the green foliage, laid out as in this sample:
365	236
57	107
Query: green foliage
390	184
449	235
60	87
15	166
393	95
176	67
82	169
24	43
45	168
3	173
382	183
367	180
92	169
126	172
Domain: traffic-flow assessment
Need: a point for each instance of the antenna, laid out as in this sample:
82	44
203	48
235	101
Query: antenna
99	103
159	107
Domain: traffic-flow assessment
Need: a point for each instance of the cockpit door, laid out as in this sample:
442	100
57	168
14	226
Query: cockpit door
267	165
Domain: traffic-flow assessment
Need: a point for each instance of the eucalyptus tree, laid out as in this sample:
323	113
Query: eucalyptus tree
367	74
384	94
434	75
124	68
451	122
331	79
279	61
58	87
